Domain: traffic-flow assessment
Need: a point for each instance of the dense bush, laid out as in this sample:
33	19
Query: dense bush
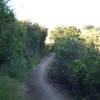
35	38
77	65
7	26
21	44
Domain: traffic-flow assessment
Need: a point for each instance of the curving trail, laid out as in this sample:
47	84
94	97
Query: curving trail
39	88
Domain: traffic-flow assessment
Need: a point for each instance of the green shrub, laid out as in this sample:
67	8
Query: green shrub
76	65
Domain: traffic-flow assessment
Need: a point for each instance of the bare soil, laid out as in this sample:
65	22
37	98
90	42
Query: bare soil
39	86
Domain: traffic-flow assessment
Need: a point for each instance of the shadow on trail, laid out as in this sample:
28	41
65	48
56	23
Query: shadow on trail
39	88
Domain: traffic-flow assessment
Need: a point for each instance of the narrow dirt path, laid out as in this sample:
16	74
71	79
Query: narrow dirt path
39	88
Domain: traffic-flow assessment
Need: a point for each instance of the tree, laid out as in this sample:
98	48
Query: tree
88	27
7	26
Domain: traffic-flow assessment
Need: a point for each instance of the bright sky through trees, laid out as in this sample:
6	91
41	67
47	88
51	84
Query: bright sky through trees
59	12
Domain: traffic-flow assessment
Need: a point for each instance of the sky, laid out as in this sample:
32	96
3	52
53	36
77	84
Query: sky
51	13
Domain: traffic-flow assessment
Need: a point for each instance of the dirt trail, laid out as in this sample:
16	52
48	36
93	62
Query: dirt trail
39	88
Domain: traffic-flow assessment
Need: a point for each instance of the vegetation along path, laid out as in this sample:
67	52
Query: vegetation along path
39	87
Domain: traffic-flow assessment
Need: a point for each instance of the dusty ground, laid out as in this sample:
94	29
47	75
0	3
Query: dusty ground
39	87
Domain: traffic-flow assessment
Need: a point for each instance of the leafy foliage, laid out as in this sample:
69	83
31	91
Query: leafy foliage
76	66
7	26
21	42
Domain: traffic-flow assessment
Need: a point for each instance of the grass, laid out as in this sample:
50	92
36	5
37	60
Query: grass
11	89
14	76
